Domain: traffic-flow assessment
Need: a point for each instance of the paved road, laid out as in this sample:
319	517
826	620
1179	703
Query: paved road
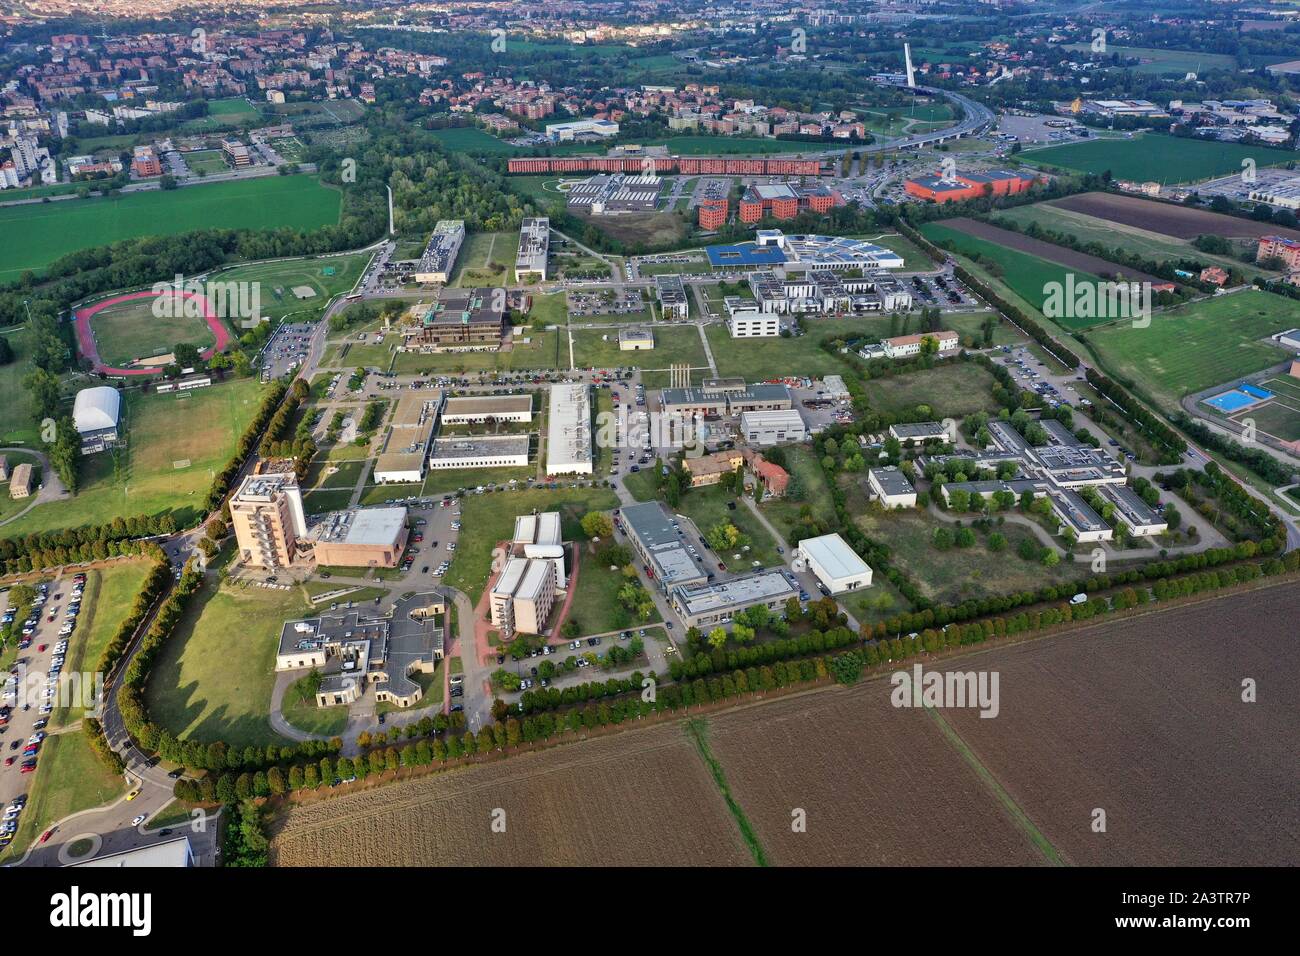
51	489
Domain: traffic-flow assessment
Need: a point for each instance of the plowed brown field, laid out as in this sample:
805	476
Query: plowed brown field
1181	222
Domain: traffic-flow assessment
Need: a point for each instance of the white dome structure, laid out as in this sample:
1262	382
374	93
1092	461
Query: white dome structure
96	409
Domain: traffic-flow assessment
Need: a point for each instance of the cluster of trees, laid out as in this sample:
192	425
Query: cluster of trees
1219	492
717	660
277	441
219	756
51	549
247	442
1167	442
1257	460
94	732
50	357
245	842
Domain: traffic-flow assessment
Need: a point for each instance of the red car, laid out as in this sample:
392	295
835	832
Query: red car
9	761
41	647
31	769
47	834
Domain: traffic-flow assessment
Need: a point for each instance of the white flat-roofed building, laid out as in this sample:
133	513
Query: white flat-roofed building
635	340
171	854
479	408
480	451
918	433
539	536
753	323
1077	515
891	488
568	431
837	566
522	598
567	132
713	605
359	538
905	346
439	258
534	247
775	427
834	387
1139	517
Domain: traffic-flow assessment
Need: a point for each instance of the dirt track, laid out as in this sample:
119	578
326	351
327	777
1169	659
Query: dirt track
1181	222
1047	251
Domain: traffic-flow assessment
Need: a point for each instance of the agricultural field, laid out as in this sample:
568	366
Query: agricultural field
949	390
674	345
33	236
175	443
650	228
1114	235
1155	156
213	678
492	517
957	574
1027	275
1197	345
1168	219
130	330
615	801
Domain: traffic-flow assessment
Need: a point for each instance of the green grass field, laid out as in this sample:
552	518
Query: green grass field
784	513
1196	346
487	258
1028	276
950	390
129	330
214	677
108	597
471	139
1281	419
11	506
1153	156
205	162
31	237
492	517
673	345
16	423
595	601
1114	235
233	107
759	359
174	445
1157	60
70	778
707	507
325	276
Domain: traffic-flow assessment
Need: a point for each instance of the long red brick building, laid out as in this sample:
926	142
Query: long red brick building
685	165
997	182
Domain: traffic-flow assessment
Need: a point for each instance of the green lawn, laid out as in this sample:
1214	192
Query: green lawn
11	506
595	600
325	276
31	237
784	513
1196	346
213	679
486	259
175	443
1156	60
16	423
110	593
540	351
346	475
1155	156
598	348
472	139
915	259
491	518
759	359
433	686
309	718
205	162
708	506
71	778
949	390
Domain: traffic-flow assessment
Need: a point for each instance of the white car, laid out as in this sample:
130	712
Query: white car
139	820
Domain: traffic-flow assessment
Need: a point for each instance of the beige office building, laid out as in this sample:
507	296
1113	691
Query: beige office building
523	596
266	512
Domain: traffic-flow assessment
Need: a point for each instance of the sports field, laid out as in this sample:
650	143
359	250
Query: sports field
33	236
1196	346
1155	60
283	284
1154	156
129	330
175	444
16	424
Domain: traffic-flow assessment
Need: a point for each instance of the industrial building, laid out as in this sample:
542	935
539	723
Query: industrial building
918	433
568	434
707	606
775	427
410	433
96	414
635	340
267	516
958	188
671	291
658	543
359	538
751	323
460	319
568	132
891	488
837	566
481	408
479	451
724	396
439	258
534	249
353	649
605	194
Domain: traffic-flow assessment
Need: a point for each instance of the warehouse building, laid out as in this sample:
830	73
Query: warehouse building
707	606
482	451
891	488
410	434
996	182
837	566
534	248
568	432
729	396
470	409
359	538
773	427
918	433
577	129
439	258
658	542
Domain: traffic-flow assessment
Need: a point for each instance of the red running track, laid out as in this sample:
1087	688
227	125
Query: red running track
86	341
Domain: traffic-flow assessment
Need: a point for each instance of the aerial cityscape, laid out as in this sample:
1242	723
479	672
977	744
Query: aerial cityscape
650	433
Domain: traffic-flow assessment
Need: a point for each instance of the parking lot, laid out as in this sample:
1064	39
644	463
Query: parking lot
286	349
